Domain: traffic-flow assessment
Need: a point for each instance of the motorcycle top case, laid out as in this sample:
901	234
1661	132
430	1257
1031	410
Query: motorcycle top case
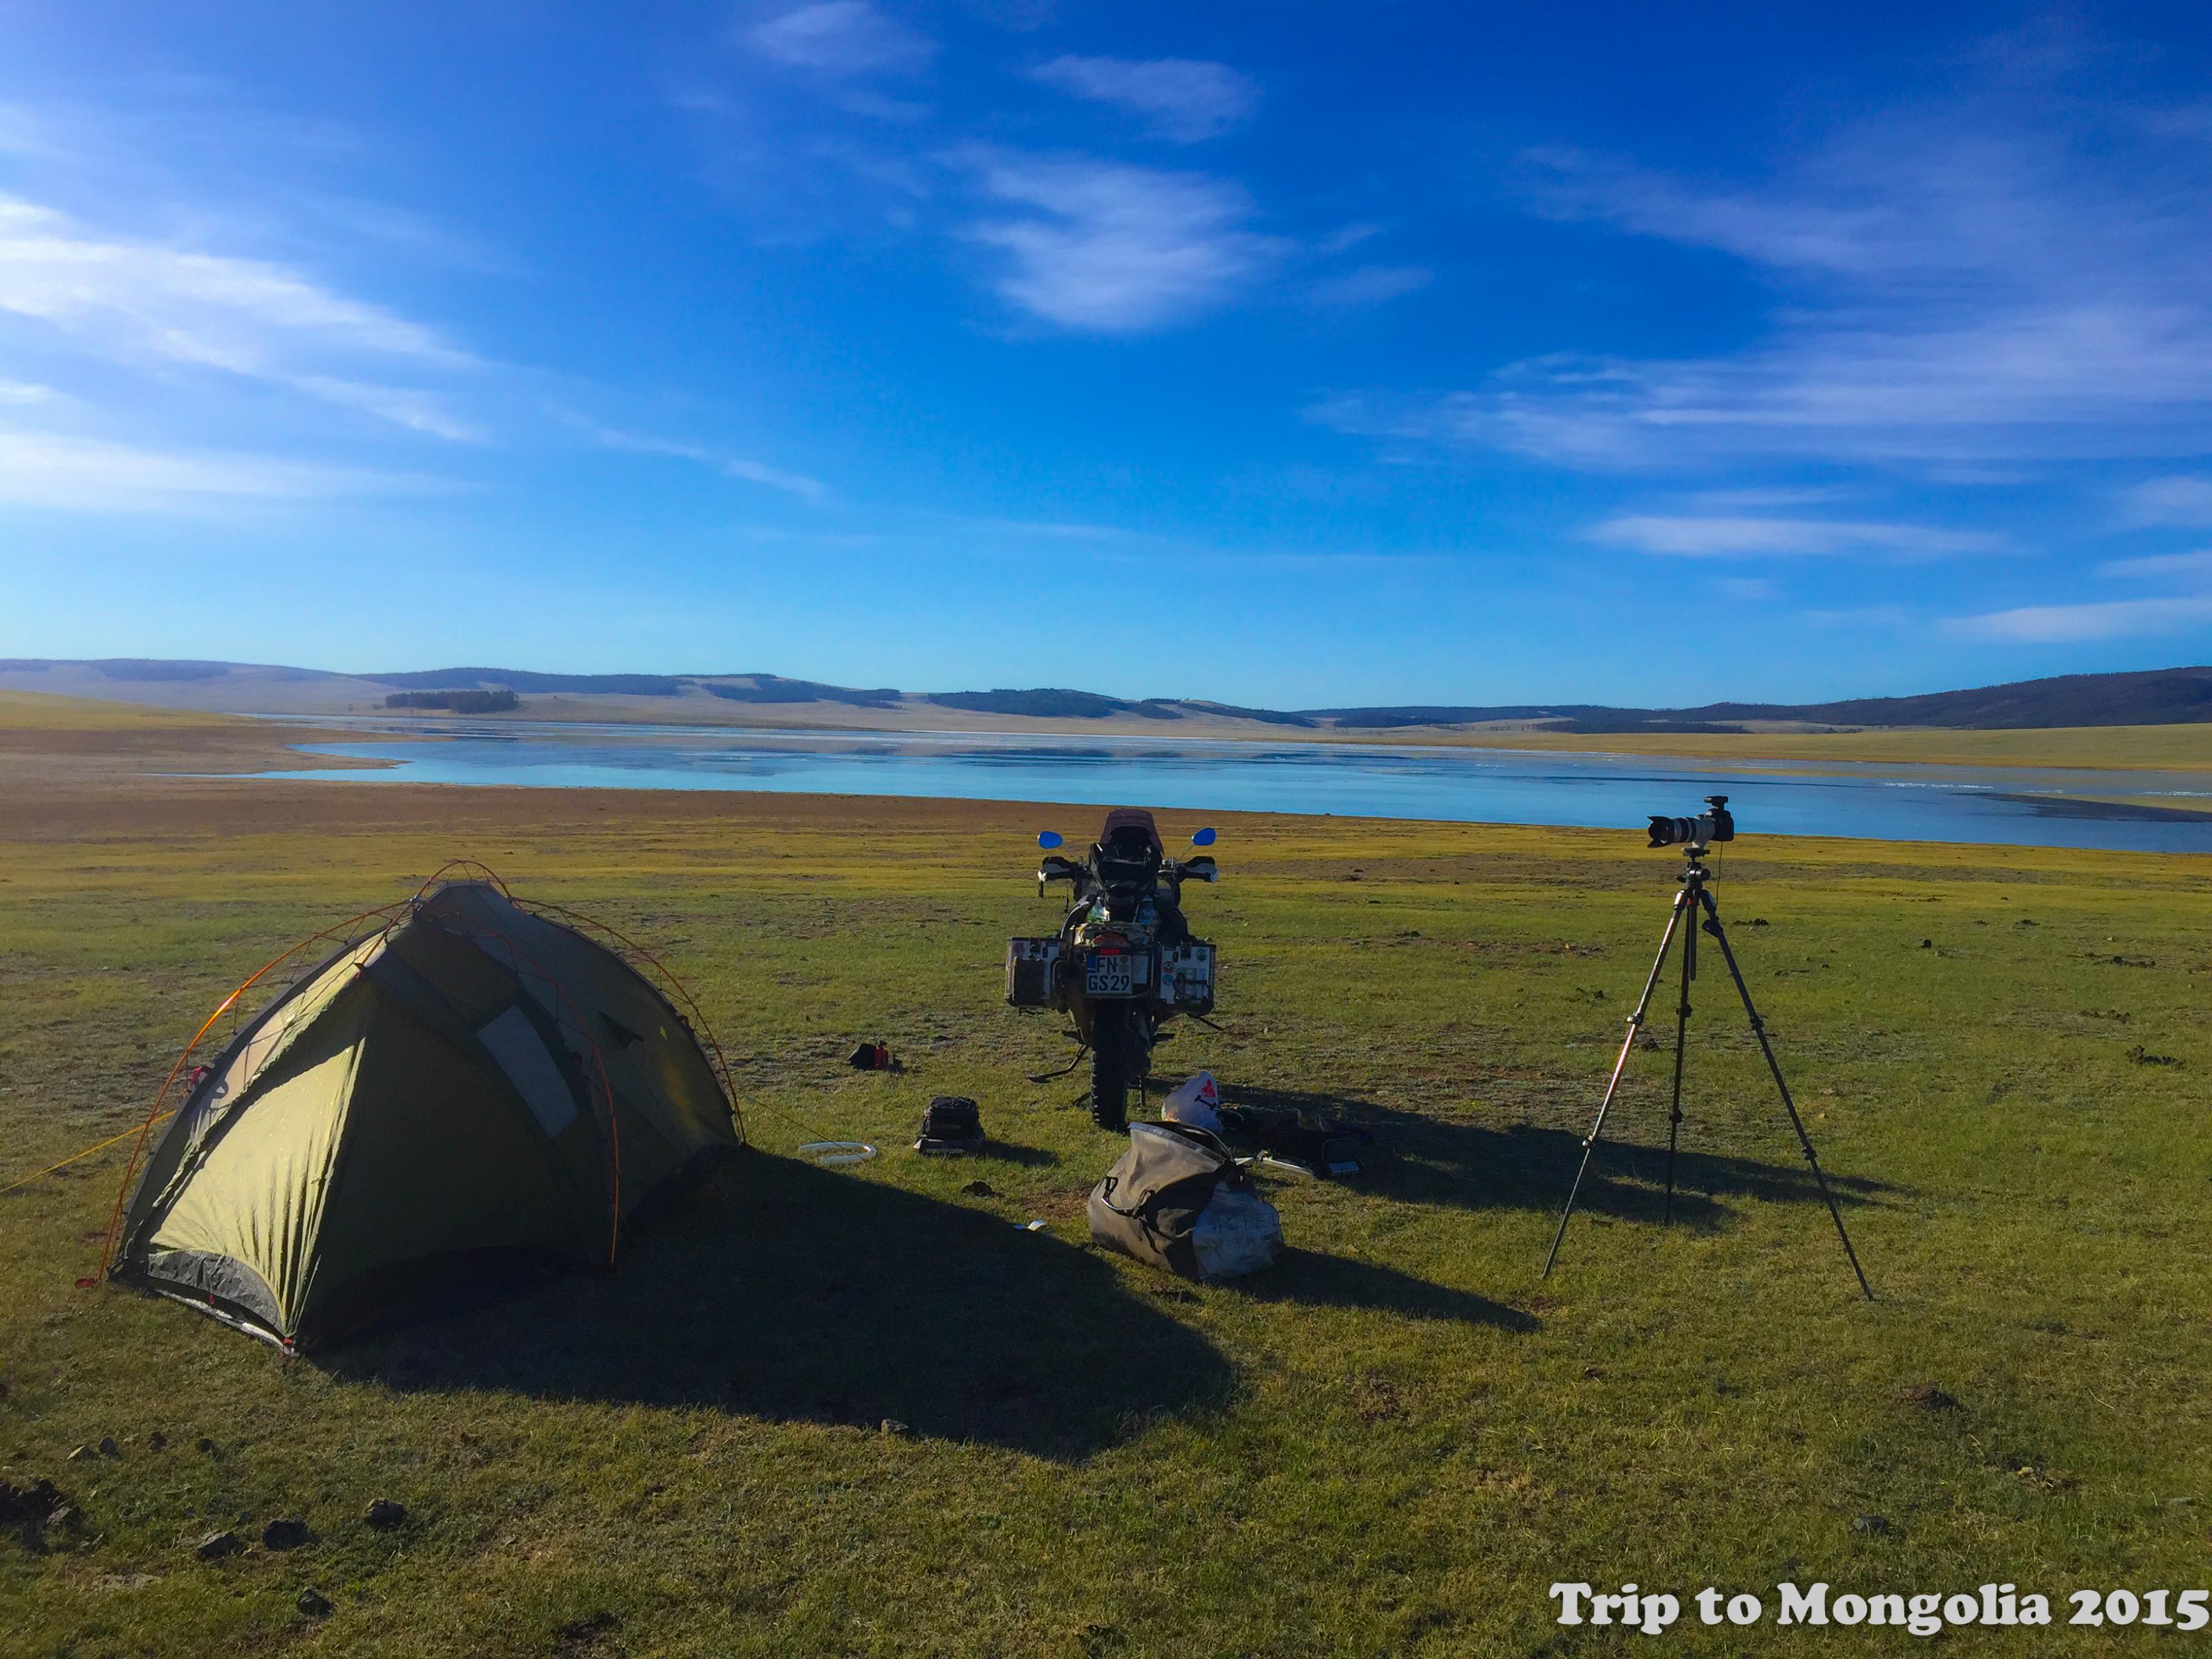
1031	966
1187	977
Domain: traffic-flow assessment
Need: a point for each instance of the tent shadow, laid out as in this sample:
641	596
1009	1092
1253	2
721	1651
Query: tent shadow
1474	1166
1313	1279
789	1291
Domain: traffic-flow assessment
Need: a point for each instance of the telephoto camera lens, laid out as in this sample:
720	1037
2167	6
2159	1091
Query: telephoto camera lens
1715	826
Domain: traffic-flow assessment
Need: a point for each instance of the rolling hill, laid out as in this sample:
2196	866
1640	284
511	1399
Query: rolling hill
2162	696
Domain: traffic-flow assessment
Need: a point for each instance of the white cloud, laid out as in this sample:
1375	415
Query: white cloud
24	392
150	305
1746	590
2061	625
1118	249
2188	567
2086	381
2005	280
1763	498
24	134
43	470
194	308
418	412
1371	285
1182	99
752	471
1703	537
2182	500
841	38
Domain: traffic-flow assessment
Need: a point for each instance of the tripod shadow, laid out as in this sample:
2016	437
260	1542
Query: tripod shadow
1312	1279
1459	1164
788	1292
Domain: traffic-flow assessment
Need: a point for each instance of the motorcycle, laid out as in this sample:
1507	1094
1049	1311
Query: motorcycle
1124	963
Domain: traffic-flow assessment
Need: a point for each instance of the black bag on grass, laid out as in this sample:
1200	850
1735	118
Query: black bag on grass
952	1123
1178	1199
1322	1147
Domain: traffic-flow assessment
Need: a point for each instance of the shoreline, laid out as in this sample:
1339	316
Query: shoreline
2181	748
47	744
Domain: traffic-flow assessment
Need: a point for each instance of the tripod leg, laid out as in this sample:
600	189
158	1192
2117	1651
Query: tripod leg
1758	1030
1612	1086
1682	1044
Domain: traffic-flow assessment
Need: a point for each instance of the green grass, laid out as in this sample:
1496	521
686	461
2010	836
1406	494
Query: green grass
1393	1443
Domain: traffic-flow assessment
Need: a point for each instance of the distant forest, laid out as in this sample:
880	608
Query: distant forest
768	687
498	702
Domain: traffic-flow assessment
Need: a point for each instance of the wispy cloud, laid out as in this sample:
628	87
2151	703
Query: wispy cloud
2182	500
733	466
191	307
2067	624
842	37
146	304
73	474
1118	249
1747	590
1738	537
403	406
2194	567
25	134
1183	100
1370	285
2003	279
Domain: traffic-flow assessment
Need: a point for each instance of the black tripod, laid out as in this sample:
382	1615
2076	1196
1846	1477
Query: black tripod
1696	894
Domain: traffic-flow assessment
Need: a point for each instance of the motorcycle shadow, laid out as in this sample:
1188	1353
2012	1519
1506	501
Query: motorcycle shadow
1474	1166
1009	1151
796	1294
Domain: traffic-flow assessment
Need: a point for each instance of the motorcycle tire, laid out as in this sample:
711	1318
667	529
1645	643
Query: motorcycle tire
1111	1050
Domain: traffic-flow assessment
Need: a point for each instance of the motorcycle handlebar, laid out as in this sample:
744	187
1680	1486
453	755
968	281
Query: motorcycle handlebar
1199	869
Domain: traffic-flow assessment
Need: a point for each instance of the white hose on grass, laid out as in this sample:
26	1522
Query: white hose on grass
836	1153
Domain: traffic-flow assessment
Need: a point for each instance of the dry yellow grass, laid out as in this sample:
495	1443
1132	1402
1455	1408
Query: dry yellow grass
38	711
2161	748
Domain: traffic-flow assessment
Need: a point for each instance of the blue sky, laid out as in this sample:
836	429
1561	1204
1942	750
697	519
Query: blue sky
1297	355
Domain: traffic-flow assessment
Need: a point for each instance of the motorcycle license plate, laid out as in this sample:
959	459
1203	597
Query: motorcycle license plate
1108	976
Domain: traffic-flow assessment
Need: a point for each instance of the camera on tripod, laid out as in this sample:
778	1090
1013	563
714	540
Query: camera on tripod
1715	826
1695	911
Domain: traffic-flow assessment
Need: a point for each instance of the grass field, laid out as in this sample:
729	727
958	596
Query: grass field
860	1412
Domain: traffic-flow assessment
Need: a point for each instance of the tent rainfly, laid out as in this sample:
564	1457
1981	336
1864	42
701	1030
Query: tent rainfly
472	1088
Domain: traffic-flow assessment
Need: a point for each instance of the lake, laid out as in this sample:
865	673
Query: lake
2019	806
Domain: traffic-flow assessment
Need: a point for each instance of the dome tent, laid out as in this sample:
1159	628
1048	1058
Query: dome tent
468	1088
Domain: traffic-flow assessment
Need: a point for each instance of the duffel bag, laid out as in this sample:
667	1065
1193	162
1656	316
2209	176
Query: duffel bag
1178	1199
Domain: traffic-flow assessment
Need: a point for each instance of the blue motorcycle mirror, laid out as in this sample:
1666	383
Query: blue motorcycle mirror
1048	839
1203	838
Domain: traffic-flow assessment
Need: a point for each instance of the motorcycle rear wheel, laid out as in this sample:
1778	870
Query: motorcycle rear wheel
1112	1050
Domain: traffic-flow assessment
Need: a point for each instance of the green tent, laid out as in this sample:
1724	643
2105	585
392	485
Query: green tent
471	1089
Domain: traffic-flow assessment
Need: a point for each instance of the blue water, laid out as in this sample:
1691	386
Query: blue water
2039	807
